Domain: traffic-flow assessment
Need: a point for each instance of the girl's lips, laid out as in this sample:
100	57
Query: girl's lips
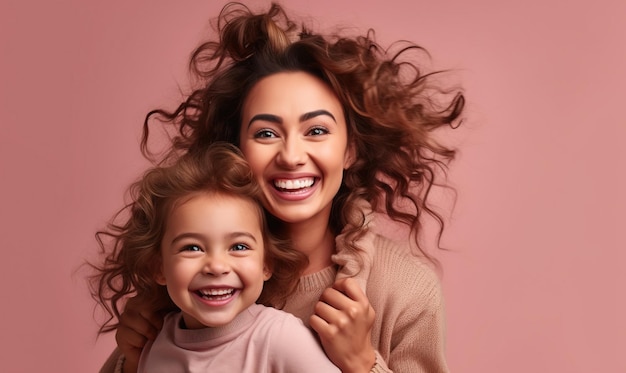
215	296
215	292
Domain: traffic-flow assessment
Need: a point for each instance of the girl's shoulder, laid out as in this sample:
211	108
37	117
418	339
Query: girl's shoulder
275	321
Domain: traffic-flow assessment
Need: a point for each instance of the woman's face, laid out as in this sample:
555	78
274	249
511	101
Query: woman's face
294	136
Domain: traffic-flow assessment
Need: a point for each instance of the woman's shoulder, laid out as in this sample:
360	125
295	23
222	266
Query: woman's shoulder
388	252
398	273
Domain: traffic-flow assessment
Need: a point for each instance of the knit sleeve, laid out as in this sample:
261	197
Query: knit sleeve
419	337
407	297
114	363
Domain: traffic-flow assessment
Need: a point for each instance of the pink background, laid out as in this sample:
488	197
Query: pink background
535	280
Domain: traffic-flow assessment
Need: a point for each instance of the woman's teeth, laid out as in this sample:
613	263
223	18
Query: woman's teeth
294	184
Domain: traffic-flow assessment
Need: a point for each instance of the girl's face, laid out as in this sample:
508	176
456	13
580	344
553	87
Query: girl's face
213	263
294	136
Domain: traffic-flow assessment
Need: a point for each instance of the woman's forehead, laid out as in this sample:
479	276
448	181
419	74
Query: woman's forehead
291	92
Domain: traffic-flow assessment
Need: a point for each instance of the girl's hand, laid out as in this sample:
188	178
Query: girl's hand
138	324
343	319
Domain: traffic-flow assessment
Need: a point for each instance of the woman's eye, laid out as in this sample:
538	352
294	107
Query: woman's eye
239	247
318	131
265	134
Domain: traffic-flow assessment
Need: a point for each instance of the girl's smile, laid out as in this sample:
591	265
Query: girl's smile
213	258
216	297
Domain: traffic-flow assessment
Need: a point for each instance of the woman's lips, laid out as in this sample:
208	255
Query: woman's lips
293	185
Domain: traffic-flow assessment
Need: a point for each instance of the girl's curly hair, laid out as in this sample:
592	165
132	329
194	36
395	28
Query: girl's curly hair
392	109
132	248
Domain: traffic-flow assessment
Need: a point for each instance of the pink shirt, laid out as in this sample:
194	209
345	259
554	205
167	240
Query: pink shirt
260	339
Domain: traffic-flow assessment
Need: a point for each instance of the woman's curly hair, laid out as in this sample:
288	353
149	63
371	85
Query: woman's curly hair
392	109
132	248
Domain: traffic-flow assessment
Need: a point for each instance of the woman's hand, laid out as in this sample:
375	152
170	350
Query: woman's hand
138	324
343	319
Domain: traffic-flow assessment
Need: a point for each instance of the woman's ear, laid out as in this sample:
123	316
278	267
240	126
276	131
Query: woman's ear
350	156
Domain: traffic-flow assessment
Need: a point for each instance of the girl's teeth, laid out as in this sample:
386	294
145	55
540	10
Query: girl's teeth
215	292
294	184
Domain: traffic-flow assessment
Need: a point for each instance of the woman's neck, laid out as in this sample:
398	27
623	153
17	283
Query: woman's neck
316	241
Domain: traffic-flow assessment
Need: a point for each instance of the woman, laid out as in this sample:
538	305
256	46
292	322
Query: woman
334	130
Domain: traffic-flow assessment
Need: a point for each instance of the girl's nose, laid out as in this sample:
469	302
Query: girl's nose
292	154
216	265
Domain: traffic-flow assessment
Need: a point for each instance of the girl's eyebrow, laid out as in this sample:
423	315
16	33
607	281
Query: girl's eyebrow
278	120
186	235
236	235
199	236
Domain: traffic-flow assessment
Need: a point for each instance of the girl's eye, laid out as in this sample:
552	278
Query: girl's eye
318	131
239	247
264	133
192	248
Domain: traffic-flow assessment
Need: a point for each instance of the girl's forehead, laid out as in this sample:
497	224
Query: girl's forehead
197	208
207	196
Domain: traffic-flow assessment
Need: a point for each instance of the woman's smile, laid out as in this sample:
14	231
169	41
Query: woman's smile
295	185
295	138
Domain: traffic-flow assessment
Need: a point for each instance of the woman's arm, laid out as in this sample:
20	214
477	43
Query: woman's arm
111	364
418	341
409	330
138	324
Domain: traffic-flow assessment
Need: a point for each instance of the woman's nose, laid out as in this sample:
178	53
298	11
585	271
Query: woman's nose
292	154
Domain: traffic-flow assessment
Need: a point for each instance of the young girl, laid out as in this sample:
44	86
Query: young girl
335	129
197	229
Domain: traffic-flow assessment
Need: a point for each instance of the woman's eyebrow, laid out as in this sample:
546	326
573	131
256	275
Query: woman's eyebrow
266	117
316	113
278	120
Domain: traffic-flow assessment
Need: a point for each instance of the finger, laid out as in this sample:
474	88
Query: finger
335	298
341	309
350	288
154	319
327	312
133	322
357	307
139	310
148	308
323	329
128	338
335	321
317	323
